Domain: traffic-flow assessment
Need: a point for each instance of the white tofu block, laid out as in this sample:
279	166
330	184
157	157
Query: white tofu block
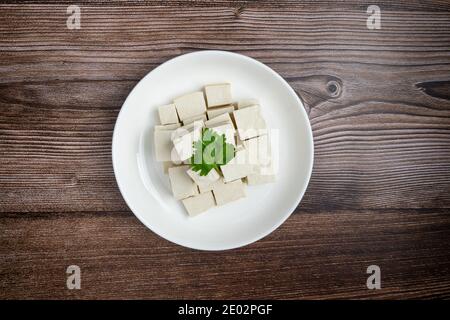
199	203
195	118
218	94
163	144
239	142
190	105
259	150
168	126
212	113
167	165
239	167
239	148
206	188
257	179
228	192
223	118
227	129
263	174
168	114
188	128
244	103
184	138
249	122
204	182
260	153
182	185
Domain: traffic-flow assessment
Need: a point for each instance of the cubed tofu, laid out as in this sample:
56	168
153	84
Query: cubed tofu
182	185
227	192
244	103
168	114
239	167
190	105
257	178
188	128
168	126
204	182
260	154
239	142
195	118
163	144
227	129
199	203
263	174
218	94
167	165
184	137
249	122
259	150
206	188
223	118
212	113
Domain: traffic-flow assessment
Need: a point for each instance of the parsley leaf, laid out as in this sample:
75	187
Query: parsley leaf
210	152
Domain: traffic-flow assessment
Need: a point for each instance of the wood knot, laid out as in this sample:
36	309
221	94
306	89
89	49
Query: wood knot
315	89
74	180
435	89
333	88
239	9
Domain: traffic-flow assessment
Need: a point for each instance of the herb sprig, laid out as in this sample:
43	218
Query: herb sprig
210	152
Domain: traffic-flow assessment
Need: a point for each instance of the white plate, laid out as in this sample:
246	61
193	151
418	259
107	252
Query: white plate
146	188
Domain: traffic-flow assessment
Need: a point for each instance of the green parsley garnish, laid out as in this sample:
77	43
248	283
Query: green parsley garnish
210	152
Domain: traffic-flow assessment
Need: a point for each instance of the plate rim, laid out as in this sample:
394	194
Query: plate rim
300	195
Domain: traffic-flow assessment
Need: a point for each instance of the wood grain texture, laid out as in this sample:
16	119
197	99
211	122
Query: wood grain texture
120	258
379	105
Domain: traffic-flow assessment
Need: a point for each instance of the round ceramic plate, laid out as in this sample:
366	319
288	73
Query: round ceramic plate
145	187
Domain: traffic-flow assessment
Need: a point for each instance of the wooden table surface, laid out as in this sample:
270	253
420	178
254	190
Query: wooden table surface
378	102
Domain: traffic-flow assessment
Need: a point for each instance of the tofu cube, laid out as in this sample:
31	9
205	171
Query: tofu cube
257	179
227	192
168	114
204	183
184	137
223	118
260	154
259	150
239	167
168	126
239	142
206	188
163	144
190	105
212	113
249	122
195	118
247	103
218	94
167	165
263	174
182	185
199	203
227	129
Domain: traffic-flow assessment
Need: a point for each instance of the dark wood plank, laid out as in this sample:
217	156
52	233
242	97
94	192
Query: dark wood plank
313	255
378	102
401	5
381	141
